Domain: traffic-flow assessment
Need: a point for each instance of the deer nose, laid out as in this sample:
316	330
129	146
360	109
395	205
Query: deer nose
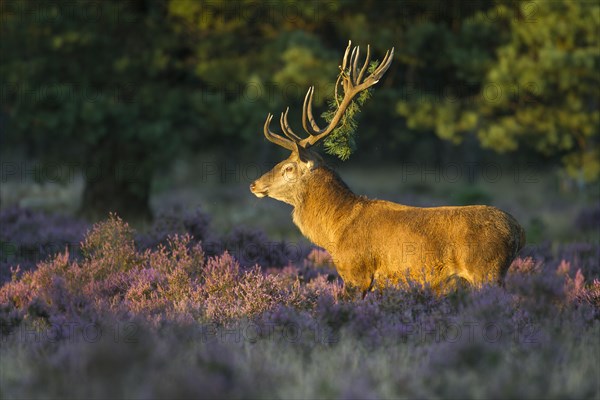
252	186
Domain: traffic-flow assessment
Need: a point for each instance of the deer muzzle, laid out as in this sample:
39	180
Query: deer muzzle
258	190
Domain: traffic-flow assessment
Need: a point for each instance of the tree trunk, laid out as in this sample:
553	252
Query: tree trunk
116	180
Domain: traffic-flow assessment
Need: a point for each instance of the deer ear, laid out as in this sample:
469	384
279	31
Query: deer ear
310	159
301	152
304	155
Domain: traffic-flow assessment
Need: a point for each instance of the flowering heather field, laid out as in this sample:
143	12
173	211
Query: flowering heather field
179	311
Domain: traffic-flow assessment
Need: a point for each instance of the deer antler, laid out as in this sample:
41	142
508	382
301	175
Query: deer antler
352	84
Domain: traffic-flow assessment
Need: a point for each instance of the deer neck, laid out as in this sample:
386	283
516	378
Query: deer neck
324	207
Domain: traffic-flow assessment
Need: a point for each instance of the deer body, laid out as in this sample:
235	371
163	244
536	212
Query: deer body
384	242
380	241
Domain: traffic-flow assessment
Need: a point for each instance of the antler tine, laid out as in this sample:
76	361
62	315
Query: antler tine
285	126
385	64
353	73
344	61
307	115
275	138
313	122
365	66
351	63
352	84
378	73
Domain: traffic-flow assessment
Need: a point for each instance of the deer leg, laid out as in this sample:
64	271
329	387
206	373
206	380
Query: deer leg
370	288
456	283
355	281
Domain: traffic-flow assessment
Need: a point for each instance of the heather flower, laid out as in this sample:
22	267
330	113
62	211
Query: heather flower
108	293
365	321
318	262
169	223
584	256
322	287
412	299
257	292
17	293
232	293
28	237
210	326
334	314
541	252
291	325
180	252
144	294
318	257
109	247
525	266
591	295
252	247
220	276
574	287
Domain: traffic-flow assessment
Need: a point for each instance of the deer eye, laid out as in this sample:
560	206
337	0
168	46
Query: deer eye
288	169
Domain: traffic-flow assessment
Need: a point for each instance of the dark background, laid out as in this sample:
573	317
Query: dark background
124	105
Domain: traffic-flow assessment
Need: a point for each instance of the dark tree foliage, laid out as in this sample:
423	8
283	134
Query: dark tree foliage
122	88
102	85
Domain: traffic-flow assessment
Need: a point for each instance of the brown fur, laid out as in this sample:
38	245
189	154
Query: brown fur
384	242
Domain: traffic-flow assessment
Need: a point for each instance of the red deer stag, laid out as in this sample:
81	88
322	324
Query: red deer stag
380	241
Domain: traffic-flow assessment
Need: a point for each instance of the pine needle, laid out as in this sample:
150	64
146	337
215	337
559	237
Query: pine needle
342	141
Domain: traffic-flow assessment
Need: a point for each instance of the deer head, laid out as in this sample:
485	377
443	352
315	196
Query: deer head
284	181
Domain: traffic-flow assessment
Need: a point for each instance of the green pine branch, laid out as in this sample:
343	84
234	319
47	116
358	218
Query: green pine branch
342	141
